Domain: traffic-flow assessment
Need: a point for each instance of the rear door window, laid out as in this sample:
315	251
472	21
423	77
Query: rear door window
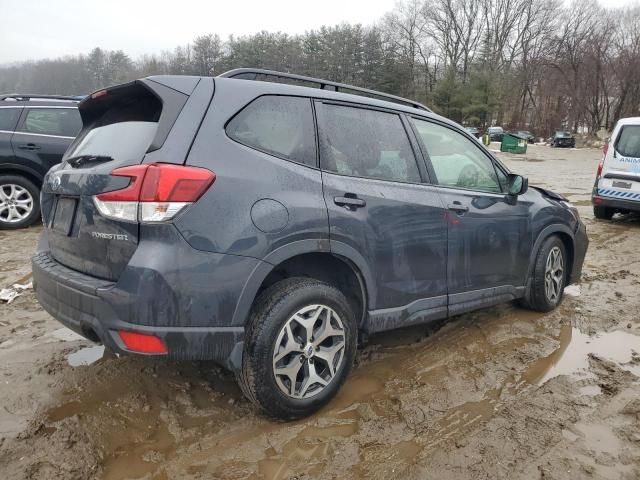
62	122
628	144
360	142
277	125
9	118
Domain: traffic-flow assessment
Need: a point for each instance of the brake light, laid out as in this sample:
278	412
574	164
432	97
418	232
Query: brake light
155	193
142	343
605	149
600	166
98	94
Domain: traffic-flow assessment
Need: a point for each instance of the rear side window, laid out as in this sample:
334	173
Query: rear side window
365	143
63	122
9	118
277	125
628	143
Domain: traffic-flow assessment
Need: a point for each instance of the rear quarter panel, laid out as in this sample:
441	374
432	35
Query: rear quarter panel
251	189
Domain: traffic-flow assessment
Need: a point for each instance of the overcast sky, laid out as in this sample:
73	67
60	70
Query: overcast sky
34	29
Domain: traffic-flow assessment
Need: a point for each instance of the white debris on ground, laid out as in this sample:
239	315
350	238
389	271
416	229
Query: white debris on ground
9	294
572	290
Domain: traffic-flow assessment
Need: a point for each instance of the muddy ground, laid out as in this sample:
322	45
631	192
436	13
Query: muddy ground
500	393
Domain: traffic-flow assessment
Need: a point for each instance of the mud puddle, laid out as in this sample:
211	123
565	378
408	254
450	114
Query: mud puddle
147	421
572	357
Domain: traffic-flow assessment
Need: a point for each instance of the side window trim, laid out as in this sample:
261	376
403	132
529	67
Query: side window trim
320	101
494	162
275	154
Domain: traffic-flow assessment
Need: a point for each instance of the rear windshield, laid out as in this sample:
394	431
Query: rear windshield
563	134
628	143
123	131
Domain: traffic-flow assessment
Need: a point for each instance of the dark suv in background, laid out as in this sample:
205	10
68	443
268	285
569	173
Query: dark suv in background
35	131
264	225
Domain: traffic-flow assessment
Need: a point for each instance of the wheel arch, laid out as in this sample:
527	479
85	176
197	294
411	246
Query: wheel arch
311	258
22	171
568	239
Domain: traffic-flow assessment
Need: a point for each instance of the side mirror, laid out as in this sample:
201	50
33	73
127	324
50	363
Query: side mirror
517	185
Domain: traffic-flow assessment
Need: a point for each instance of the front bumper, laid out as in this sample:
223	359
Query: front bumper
580	245
182	314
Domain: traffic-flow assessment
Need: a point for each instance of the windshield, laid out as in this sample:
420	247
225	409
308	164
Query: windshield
628	143
563	134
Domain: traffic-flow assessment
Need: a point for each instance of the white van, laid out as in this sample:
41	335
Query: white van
617	187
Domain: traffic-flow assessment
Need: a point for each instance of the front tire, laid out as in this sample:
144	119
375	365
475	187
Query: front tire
603	213
299	348
19	202
549	276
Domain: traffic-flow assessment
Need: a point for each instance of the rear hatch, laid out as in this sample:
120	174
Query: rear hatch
123	126
621	170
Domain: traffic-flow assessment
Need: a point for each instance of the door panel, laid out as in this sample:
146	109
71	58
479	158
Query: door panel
44	134
39	152
489	243
396	222
489	234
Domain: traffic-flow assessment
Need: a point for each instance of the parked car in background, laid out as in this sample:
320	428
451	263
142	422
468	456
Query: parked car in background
475	131
617	186
527	135
495	134
266	226
563	138
35	131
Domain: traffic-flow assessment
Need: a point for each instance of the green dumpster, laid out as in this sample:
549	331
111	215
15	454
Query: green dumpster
513	143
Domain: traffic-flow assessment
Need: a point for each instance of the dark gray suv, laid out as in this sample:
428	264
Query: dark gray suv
265	225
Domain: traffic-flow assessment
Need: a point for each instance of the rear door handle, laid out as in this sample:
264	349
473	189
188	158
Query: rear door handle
28	146
349	202
458	207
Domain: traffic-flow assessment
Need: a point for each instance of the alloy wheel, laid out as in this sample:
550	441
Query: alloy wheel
16	203
554	274
308	352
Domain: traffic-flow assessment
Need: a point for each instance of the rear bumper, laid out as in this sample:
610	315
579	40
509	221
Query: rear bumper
617	203
191	315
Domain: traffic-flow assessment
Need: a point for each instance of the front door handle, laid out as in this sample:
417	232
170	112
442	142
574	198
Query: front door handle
28	146
349	202
458	207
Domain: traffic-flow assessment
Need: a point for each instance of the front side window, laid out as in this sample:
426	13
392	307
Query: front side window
365	143
63	122
456	160
9	118
278	125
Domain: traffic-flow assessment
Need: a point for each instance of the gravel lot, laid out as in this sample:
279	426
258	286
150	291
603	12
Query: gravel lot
499	393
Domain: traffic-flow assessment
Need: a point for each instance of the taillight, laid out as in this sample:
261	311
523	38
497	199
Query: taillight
600	166
605	149
155	193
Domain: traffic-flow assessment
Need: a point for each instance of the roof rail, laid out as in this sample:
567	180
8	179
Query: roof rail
335	86
22	97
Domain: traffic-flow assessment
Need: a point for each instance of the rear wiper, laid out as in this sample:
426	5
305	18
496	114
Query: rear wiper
82	160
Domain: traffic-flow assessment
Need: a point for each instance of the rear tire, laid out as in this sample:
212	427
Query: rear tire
300	344
549	277
603	213
19	202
